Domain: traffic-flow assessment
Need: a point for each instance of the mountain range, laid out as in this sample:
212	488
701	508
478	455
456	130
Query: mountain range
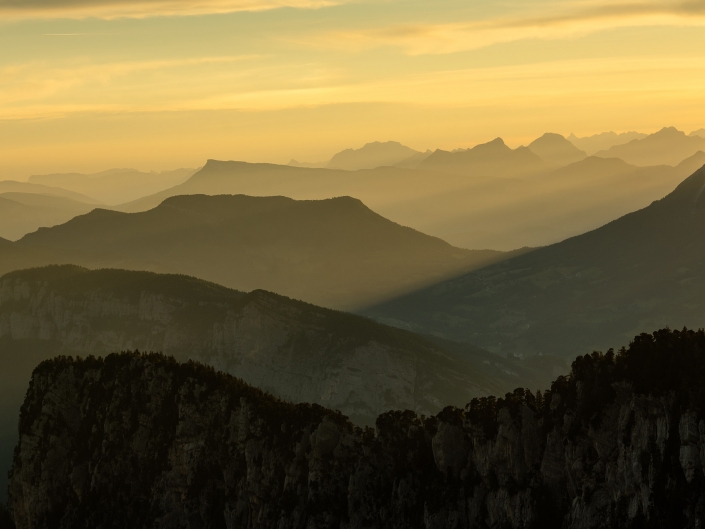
141	440
555	149
292	349
115	186
371	155
644	270
494	159
603	141
21	213
669	146
544	209
13	186
469	212
335	252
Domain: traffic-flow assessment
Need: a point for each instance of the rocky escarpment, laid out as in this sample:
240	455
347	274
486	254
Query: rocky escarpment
298	351
142	441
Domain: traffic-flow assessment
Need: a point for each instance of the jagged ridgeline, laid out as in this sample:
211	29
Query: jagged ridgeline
138	440
299	351
295	350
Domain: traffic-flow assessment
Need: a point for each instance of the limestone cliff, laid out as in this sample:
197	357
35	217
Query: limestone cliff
142	441
298	351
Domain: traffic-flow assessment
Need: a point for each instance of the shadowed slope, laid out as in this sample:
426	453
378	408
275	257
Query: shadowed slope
335	252
21	213
644	270
467	210
543	209
139	440
295	350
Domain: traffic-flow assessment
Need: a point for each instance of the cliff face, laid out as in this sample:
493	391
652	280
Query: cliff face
142	441
298	351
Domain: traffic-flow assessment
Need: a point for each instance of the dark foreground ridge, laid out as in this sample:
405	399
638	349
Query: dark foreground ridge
137	440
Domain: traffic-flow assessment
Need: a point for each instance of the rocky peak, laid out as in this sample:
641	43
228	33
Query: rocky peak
141	440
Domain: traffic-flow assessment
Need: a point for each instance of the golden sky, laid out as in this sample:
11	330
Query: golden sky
87	85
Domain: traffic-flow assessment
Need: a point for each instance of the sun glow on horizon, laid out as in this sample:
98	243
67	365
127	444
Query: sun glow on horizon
88	85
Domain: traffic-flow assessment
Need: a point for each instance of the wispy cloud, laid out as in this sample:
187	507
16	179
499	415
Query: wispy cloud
568	20
252	87
110	9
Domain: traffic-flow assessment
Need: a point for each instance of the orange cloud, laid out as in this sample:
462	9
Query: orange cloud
575	20
108	9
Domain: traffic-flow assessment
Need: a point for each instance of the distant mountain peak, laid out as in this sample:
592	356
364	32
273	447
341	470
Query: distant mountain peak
494	158
556	149
669	132
371	155
668	146
497	143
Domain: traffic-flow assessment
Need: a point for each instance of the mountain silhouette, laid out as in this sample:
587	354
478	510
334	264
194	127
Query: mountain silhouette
16	256
307	165
478	212
644	270
669	146
699	132
21	213
375	186
295	350
555	149
414	160
371	155
488	159
335	253
115	186
603	141
12	186
505	213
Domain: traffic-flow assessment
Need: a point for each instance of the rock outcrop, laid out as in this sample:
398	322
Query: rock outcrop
142	441
296	350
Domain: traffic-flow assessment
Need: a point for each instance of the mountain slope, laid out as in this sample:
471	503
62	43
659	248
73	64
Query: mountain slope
14	256
668	146
115	186
12	186
544	209
371	155
298	351
137	440
295	350
642	271
375	186
412	162
335	253
603	141
21	213
555	149
488	159
477	212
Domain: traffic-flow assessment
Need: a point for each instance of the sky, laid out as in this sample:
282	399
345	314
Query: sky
87	85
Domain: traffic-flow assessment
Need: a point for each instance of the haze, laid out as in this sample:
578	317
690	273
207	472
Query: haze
89	86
